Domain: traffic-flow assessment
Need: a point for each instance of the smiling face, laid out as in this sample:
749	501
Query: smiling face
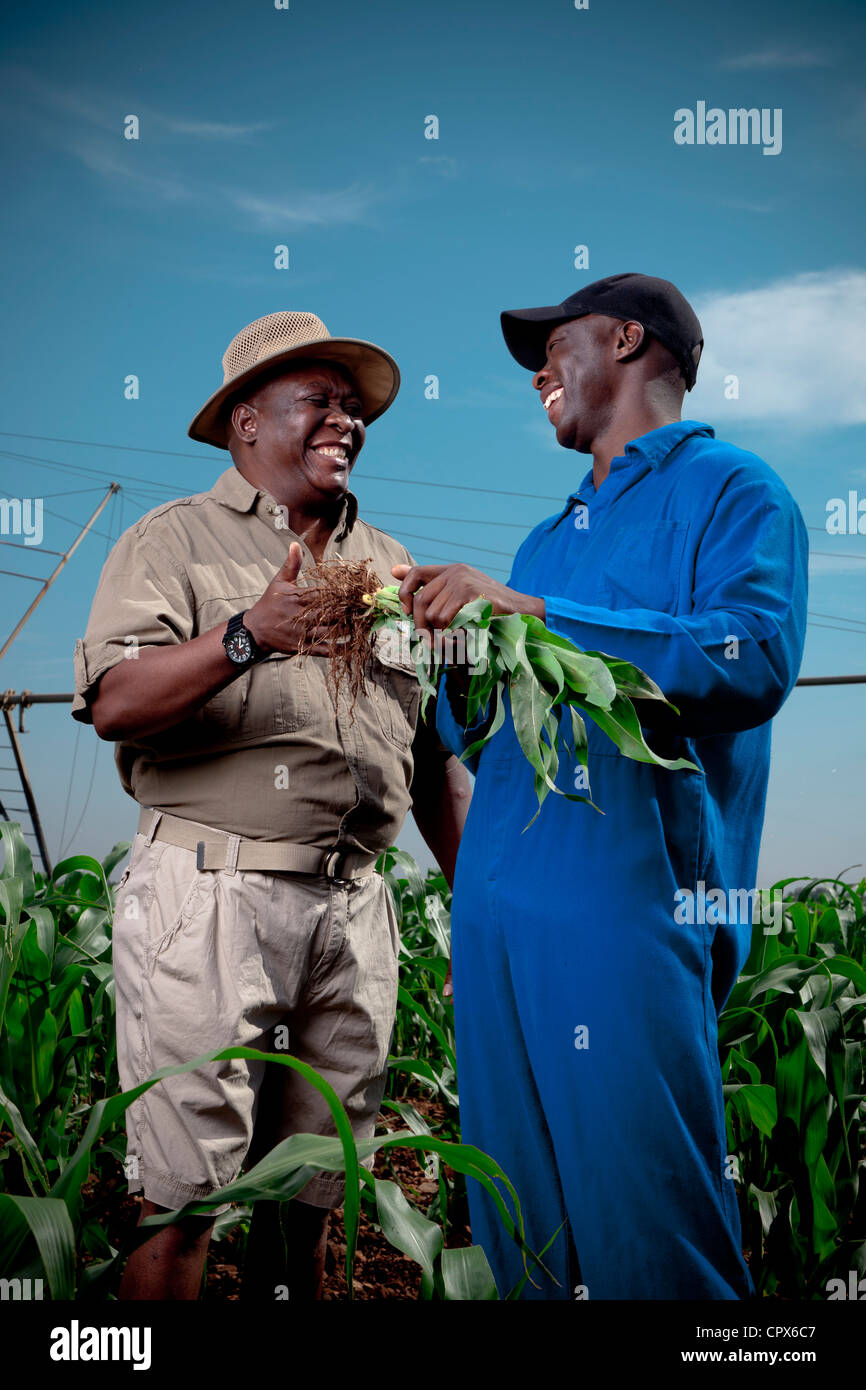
576	383
308	421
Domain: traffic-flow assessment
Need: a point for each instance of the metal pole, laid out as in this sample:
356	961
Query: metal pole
114	487
832	680
27	697
28	791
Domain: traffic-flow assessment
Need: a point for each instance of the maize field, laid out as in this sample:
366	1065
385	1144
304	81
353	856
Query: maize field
792	1046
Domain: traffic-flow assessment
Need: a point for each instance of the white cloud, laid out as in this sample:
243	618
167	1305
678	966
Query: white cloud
91	130
107	111
119	165
795	345
306	209
775	58
444	164
212	130
101	159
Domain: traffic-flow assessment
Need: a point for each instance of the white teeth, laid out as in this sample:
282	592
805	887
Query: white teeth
554	396
335	453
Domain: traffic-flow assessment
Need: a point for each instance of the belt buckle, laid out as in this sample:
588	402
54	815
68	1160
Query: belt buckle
331	862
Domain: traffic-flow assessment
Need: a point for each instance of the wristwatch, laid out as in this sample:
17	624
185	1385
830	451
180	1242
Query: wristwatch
240	645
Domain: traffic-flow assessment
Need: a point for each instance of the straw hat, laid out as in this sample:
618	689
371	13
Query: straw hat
281	337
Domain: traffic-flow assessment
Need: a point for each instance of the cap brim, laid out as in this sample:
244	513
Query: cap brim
375	372
525	332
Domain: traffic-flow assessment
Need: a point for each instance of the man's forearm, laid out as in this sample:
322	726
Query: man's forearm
161	687
533	606
441	795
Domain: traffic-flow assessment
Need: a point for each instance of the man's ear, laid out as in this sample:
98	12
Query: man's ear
244	422
631	340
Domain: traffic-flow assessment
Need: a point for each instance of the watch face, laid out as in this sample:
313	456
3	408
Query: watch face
238	646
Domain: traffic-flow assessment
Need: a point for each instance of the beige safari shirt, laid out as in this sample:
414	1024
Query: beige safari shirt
267	757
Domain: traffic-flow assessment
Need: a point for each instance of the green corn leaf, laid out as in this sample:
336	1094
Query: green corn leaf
508	640
114	857
825	1223
405	1228
481	687
87	865
438	920
587	673
621	724
748	1067
11	901
820	1028
529	707
25	1144
46	1219
477	613
631	680
12	933
848	969
415	1007
578	729
46	930
766	1204
17	859
546	668
786	976
467	1275
409	873
758	1104
415	1121
423	1071
493	728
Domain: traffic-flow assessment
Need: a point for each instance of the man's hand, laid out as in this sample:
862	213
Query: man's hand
434	594
273	620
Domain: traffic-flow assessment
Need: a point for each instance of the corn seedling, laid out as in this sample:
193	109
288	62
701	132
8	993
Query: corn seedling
542	675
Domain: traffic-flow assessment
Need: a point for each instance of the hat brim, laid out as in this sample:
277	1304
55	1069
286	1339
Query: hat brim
525	332
374	370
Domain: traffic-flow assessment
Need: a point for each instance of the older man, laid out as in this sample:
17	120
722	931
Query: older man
586	1003
252	879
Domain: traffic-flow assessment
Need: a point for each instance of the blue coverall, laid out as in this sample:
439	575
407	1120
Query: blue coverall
586	1014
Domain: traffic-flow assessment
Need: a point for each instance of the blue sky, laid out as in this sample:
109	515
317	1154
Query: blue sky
305	127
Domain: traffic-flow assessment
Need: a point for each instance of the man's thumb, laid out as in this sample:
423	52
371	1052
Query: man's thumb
291	566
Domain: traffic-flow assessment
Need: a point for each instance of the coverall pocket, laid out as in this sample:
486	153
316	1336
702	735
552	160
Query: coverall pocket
643	567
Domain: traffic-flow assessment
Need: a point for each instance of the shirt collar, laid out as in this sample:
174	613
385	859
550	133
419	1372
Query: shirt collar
232	489
656	446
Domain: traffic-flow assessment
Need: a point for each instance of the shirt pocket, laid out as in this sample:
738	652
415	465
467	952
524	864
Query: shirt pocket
269	698
643	566
396	694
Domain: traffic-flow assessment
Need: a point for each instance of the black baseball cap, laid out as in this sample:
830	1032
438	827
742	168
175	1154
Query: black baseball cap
657	304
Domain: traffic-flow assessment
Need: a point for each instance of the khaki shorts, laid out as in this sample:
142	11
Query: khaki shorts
208	959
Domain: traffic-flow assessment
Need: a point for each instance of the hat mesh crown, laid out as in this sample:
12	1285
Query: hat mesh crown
269	335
